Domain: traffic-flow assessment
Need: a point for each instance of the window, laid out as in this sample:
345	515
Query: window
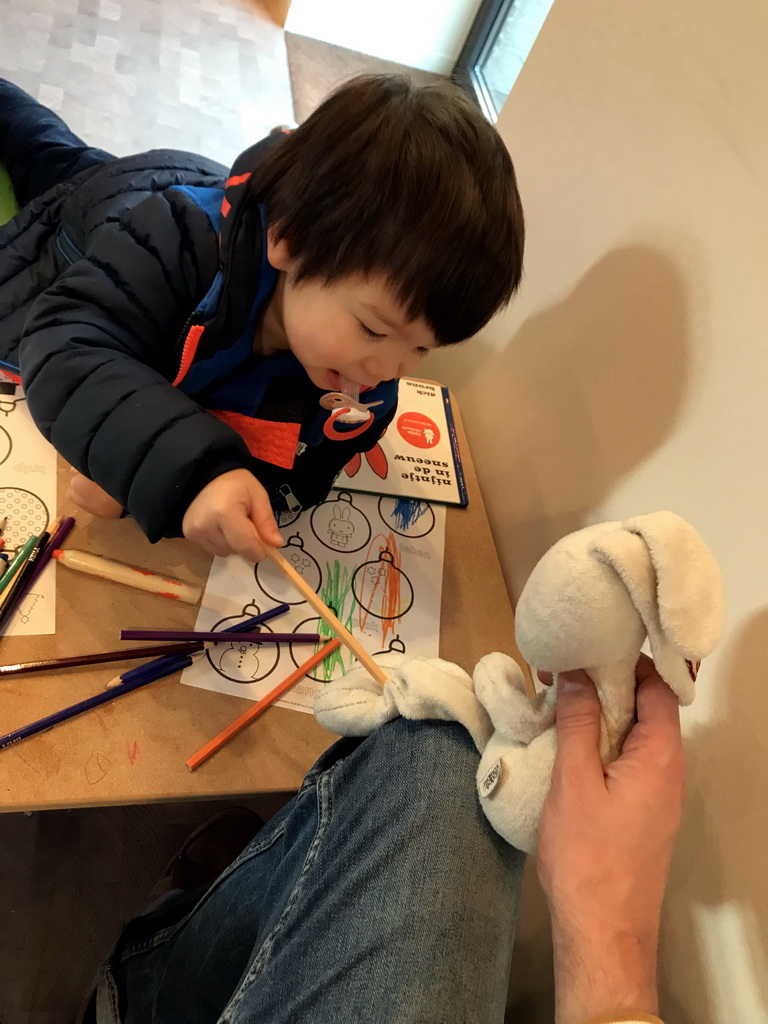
497	46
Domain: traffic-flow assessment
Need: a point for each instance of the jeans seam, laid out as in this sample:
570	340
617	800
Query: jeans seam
162	936
325	811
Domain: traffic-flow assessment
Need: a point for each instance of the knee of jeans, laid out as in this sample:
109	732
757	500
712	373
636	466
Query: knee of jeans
436	758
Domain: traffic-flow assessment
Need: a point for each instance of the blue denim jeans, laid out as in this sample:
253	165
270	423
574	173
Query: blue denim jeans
379	894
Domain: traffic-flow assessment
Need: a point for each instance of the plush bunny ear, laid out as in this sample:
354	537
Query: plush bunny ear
676	586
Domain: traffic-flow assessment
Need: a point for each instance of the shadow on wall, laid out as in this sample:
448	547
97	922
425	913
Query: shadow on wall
583	393
715	936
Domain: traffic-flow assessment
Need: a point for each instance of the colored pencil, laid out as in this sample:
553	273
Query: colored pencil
58	534
130	575
245	719
149	673
75	709
20	585
240	627
100	658
17	563
219	638
327	616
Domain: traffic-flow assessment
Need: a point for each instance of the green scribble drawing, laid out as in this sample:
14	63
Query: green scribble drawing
337	594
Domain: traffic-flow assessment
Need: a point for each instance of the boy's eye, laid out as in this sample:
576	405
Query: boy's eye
368	331
422	350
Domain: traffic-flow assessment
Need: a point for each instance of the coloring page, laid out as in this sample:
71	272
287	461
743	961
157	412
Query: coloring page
28	500
376	561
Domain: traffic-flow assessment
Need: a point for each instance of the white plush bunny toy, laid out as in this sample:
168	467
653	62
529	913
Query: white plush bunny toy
591	602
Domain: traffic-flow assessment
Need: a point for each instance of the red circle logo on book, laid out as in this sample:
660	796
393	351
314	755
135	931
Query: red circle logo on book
418	430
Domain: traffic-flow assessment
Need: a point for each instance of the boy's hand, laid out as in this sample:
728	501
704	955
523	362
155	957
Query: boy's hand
232	516
91	498
605	845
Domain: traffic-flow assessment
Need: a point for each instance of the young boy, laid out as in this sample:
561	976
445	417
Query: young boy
180	332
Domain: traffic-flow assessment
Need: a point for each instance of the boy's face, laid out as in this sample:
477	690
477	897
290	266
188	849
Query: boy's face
353	327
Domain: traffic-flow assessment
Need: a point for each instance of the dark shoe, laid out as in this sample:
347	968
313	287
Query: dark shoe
211	848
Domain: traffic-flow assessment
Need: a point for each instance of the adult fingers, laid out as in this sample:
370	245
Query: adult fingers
657	704
578	725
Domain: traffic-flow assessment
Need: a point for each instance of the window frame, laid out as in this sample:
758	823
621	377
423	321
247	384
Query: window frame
489	21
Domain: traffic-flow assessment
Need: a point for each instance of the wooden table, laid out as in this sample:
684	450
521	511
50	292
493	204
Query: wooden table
133	750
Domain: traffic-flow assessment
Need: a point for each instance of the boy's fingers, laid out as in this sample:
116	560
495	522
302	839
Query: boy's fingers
578	724
242	538
263	518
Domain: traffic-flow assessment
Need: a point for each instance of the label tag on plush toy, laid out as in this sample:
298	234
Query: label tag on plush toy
491	780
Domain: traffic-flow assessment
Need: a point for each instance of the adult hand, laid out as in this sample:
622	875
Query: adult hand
605	845
232	515
91	498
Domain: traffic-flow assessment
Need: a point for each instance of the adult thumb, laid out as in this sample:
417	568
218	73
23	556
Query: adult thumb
577	721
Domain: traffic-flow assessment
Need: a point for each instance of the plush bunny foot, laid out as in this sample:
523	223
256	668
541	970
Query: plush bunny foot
516	766
355	704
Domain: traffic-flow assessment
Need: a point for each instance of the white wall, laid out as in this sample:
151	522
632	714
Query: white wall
631	374
426	34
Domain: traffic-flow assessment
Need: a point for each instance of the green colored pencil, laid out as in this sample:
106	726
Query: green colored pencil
18	561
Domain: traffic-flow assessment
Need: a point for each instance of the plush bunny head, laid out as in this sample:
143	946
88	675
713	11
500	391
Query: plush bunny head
596	595
590	603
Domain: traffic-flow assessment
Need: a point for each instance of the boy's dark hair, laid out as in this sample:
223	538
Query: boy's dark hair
408	182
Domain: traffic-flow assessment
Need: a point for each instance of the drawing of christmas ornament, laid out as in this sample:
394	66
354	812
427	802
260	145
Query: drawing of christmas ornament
381	589
326	669
27	516
407	516
273	582
10	396
339	524
5	445
396	646
243	661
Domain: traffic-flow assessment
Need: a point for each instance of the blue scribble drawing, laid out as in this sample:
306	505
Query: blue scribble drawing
407	513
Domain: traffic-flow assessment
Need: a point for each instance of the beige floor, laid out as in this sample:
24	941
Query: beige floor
205	75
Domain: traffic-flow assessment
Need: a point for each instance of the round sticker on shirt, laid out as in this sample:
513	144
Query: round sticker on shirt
418	430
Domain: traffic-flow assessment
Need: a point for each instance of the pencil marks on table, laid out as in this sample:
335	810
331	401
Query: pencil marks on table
96	767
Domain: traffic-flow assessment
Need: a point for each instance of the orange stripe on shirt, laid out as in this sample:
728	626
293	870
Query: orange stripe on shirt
226	206
266	439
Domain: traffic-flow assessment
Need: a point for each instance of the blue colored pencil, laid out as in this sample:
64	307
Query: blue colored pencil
149	673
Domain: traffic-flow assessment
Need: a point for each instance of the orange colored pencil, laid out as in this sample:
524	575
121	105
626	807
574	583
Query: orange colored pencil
261	705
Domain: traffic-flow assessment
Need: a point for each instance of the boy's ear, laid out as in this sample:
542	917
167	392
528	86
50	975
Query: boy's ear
277	250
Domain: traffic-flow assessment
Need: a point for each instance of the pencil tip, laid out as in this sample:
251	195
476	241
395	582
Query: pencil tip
115	681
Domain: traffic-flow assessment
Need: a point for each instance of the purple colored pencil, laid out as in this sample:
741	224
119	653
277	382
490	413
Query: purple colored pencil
61	534
222	637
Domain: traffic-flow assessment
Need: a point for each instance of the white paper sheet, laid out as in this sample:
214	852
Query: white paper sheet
378	562
28	499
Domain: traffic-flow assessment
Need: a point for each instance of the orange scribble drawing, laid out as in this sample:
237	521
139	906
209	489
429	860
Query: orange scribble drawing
381	586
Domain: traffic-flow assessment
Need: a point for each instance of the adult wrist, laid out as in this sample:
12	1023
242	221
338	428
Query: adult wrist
622	1018
609	975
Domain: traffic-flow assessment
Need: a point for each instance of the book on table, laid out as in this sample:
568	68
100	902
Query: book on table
418	457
